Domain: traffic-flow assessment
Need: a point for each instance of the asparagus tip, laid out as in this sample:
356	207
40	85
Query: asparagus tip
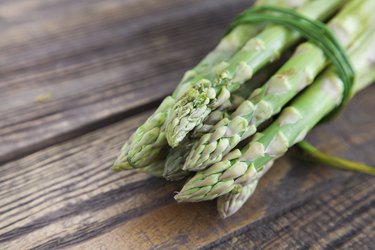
121	166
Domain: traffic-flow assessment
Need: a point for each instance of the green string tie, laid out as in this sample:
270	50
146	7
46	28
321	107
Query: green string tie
320	35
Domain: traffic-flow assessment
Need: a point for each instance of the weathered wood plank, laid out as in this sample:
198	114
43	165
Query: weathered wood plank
340	218
66	195
100	61
94	60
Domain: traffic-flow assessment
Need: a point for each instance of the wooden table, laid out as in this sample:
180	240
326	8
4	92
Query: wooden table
78	76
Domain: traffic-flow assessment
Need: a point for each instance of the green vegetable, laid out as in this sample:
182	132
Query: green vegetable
149	139
155	168
209	94
177	156
230	203
241	167
297	73
175	160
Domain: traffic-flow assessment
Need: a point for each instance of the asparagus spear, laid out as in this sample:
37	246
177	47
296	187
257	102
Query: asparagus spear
149	139
121	162
230	203
267	100
223	111
238	97
242	166
155	168
177	156
175	160
210	93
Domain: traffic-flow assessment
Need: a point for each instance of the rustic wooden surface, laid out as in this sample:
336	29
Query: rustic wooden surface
78	76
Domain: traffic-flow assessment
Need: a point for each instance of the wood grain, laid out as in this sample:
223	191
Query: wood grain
94	60
66	195
78	76
340	218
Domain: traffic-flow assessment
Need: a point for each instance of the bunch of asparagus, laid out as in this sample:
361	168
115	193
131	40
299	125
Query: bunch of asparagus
209	125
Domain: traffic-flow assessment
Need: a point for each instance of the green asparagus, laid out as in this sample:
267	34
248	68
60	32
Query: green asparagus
230	203
208	94
177	156
155	168
267	100
149	139
121	162
175	159
240	167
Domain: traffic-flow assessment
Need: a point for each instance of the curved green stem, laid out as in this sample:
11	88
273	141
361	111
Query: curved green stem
335	162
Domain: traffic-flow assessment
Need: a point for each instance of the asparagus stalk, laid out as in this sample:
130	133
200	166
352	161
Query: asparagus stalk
155	168
242	166
177	156
213	118
266	101
224	111
175	160
236	99
239	96
150	135
208	94
149	139
230	203
121	162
